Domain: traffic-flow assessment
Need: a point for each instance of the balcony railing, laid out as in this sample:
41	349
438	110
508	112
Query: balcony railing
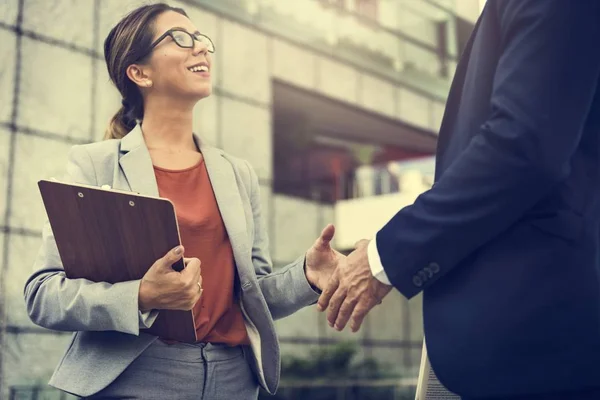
288	390
33	392
412	177
379	193
380	180
385	389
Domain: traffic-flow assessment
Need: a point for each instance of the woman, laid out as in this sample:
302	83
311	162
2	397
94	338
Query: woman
161	65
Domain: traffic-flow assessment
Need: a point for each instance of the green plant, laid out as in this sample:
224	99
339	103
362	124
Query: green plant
331	362
335	362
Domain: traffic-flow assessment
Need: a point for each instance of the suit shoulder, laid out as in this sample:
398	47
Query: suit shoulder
101	149
103	156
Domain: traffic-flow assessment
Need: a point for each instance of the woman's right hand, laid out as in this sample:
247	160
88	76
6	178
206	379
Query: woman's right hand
163	288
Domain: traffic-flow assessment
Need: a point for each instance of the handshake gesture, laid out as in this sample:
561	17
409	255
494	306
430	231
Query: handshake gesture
349	289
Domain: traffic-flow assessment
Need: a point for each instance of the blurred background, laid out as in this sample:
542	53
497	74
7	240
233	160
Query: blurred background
336	104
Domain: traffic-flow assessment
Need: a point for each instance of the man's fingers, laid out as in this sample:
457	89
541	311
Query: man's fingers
346	310
358	315
334	305
332	286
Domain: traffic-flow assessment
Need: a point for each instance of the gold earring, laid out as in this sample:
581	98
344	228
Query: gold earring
149	83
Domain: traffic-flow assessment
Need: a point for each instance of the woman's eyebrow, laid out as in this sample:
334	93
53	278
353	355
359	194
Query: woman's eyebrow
185	29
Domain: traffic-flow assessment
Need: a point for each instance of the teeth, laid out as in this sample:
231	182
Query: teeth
201	68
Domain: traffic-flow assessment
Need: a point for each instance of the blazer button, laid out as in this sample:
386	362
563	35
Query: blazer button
435	267
417	281
428	271
423	275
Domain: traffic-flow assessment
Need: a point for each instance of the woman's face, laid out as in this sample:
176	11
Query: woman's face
169	65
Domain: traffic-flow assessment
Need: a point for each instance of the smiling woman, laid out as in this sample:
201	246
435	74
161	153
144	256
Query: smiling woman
139	57
160	62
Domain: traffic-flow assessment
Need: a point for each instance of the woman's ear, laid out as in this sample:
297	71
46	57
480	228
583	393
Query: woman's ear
139	75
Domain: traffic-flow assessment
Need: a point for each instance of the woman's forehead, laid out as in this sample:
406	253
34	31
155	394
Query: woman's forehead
172	19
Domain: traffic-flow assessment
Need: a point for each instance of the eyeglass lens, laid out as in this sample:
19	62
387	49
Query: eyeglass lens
184	39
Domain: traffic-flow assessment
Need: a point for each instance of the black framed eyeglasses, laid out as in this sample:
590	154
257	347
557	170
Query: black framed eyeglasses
184	39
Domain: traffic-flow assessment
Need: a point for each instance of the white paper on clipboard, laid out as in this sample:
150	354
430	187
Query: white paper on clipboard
428	385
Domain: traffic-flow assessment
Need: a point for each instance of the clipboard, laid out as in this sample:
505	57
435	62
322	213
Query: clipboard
428	386
108	235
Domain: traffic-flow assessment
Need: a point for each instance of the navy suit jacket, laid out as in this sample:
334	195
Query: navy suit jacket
506	243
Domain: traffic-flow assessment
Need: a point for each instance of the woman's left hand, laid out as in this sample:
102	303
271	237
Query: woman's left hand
322	260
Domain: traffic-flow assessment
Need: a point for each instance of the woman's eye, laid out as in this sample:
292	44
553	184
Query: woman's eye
180	37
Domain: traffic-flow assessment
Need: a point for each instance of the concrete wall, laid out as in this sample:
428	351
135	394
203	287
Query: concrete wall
54	93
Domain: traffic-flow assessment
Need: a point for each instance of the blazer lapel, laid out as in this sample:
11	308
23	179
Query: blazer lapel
137	164
224	183
138	170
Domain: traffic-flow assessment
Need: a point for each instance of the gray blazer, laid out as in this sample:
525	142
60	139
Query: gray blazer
108	327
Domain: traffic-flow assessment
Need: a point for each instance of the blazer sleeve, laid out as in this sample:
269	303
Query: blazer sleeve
56	302
287	290
543	90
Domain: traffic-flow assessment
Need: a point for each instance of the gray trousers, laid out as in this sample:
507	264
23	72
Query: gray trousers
186	372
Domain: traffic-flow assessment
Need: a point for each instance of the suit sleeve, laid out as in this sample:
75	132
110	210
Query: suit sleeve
286	290
59	303
543	89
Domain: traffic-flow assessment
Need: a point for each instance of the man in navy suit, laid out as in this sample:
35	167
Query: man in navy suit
505	245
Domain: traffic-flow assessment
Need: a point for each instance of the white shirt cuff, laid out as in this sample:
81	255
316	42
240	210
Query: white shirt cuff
375	263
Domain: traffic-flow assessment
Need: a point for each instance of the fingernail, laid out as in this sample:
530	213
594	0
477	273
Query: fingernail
319	308
337	328
177	250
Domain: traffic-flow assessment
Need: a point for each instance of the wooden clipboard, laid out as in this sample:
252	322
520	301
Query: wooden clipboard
107	235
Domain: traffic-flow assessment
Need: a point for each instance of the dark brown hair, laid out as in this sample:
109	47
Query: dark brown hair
129	40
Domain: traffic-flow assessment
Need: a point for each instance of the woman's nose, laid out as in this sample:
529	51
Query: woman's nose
200	47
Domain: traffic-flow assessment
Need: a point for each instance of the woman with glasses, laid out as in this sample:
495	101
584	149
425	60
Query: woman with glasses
161	64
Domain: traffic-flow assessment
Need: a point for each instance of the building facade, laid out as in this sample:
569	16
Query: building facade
332	101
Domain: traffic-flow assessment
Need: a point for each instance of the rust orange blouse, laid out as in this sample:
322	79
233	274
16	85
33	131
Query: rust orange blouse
217	314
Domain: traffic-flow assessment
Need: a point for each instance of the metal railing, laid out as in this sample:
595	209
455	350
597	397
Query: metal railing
393	177
365	181
37	392
388	389
385	389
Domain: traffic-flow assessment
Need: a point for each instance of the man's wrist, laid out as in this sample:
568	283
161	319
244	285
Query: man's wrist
375	263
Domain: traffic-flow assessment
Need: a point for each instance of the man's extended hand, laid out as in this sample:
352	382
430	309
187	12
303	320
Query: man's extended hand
352	291
322	260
